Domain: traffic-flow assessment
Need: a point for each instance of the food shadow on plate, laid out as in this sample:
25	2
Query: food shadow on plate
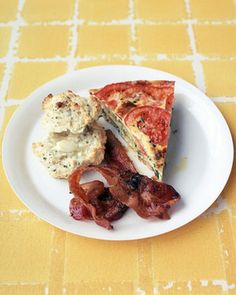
185	160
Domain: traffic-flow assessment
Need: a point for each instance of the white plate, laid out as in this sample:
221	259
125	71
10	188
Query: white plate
199	158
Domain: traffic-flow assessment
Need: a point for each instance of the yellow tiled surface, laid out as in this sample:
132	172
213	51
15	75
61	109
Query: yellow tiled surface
40	41
193	39
8	10
7	196
44	10
163	39
38	289
6	116
182	69
228	110
103	10
164	252
29	260
220	77
99	40
5	38
216	40
104	61
33	74
1	72
160	9
116	254
213	9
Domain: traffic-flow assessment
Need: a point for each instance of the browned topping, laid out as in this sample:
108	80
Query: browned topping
161	154
60	104
76	106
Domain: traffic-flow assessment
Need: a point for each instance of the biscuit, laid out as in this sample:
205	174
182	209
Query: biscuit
68	112
62	152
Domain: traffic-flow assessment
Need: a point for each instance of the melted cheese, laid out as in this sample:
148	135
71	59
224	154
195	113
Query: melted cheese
66	146
62	153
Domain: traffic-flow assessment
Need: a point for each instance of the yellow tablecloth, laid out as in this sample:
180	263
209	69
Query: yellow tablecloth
41	39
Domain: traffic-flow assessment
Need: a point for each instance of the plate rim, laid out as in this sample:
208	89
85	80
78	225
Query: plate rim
187	84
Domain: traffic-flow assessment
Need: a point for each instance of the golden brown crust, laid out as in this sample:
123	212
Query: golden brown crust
69	112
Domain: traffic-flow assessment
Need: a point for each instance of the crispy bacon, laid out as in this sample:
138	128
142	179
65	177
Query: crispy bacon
127	188
93	201
92	189
147	197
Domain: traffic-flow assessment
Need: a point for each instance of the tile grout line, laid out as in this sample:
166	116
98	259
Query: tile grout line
221	246
16	212
2	113
126	21
22	284
13	102
197	66
224	99
161	57
10	61
231	226
64	289
57	258
11	52
74	39
133	37
225	285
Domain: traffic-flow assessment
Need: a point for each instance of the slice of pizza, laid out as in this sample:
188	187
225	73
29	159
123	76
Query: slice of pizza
141	110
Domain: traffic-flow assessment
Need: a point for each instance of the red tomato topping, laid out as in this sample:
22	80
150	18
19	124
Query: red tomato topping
152	121
137	93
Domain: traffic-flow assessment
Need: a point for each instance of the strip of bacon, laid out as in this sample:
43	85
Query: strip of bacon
149	198
93	201
92	189
127	188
